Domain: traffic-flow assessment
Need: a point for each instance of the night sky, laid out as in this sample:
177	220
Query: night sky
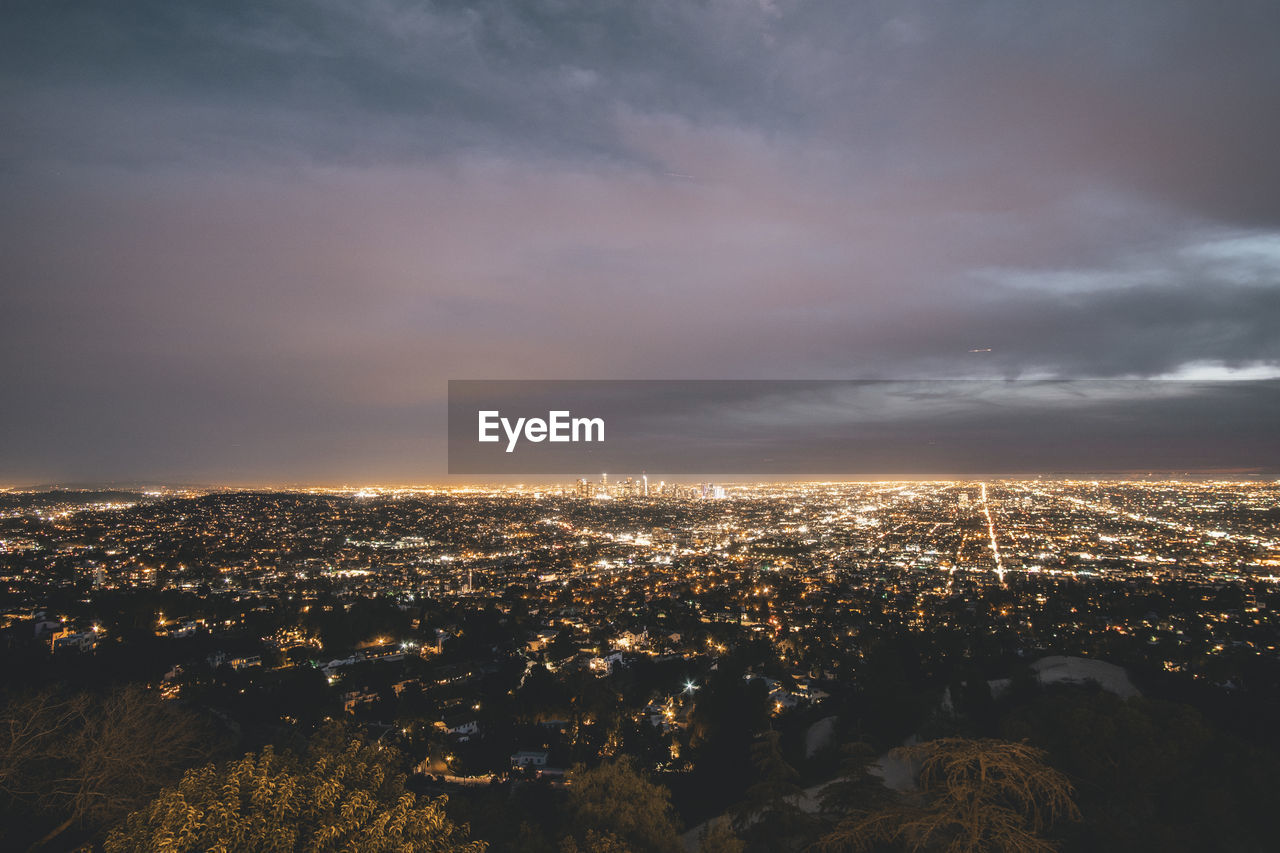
249	242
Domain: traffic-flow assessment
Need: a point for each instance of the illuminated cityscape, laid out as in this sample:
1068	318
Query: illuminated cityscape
564	426
462	622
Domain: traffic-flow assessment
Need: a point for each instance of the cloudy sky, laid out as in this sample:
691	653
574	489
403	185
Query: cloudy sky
249	242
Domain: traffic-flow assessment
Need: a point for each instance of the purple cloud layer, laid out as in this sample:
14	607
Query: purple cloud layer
250	244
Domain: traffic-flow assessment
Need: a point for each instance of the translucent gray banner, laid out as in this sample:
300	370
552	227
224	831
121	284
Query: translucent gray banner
864	429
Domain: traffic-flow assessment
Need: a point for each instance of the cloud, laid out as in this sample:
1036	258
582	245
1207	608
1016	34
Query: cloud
291	224
926	428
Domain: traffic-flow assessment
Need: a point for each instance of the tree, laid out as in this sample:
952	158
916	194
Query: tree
719	837
614	807
727	714
974	795
84	761
595	842
346	799
857	790
855	793
771	817
1153	775
540	696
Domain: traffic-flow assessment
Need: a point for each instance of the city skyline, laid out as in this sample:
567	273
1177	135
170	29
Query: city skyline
642	426
498	644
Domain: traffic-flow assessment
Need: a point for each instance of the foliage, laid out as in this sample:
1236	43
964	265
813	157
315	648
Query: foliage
728	710
974	795
84	761
719	837
1153	775
771	817
727	715
614	800
595	842
857	789
337	798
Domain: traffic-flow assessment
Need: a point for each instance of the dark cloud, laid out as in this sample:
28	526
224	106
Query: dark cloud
927	428
251	241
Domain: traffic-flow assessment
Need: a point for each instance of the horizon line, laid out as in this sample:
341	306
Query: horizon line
1241	476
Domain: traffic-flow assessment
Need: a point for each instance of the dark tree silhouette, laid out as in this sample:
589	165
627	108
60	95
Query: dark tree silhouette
770	818
857	791
80	761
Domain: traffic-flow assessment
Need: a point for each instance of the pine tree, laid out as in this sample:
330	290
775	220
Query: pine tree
771	817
